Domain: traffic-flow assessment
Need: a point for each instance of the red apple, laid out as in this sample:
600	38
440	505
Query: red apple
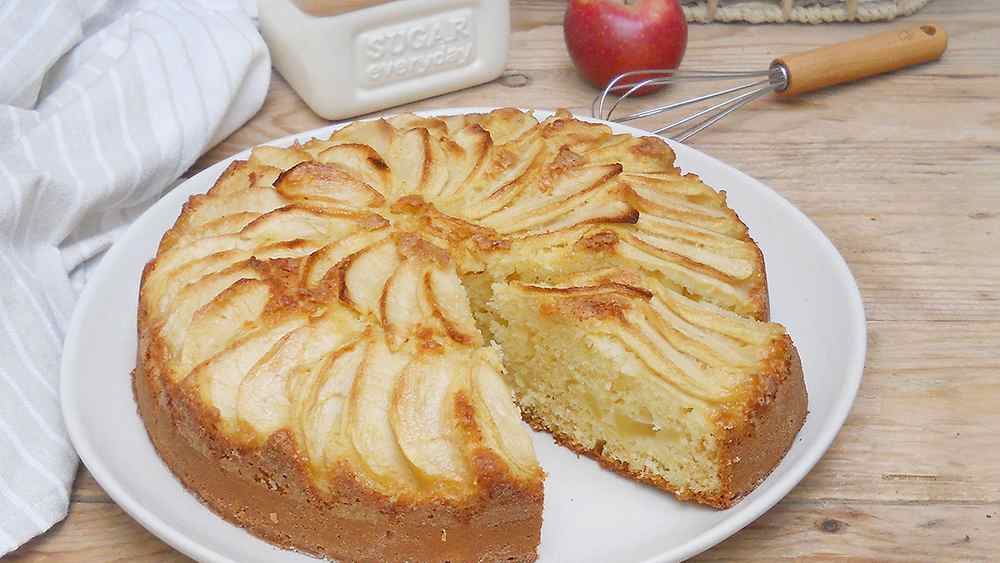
608	37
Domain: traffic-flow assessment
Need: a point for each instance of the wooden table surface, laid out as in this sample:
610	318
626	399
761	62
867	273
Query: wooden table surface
902	172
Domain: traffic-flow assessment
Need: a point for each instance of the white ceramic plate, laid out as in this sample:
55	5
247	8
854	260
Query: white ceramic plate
590	514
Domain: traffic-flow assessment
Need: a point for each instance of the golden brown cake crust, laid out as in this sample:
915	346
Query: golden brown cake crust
268	491
772	418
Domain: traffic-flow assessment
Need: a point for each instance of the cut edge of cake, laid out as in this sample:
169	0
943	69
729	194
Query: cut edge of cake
575	339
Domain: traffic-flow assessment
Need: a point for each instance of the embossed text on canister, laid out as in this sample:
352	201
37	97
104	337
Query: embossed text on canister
416	48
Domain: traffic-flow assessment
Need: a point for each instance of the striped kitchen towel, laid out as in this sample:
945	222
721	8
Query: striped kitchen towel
103	105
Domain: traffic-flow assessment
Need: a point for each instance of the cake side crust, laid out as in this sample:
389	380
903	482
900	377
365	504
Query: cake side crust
773	416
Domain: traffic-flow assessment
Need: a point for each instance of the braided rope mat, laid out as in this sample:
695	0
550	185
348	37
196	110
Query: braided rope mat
798	11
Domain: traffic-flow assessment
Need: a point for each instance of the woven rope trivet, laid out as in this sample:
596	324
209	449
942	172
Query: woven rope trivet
798	11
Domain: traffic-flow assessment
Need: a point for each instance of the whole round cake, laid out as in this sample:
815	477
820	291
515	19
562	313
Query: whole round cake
339	341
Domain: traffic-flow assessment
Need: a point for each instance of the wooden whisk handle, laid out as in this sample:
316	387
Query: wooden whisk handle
861	58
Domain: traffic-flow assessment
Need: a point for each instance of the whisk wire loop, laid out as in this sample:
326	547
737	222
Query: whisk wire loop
770	80
682	103
659	76
733	105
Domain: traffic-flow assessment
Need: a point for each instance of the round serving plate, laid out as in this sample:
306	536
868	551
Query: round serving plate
590	514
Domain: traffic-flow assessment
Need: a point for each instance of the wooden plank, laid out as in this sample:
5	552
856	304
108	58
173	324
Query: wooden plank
86	488
926	404
824	531
914	268
96	532
810	530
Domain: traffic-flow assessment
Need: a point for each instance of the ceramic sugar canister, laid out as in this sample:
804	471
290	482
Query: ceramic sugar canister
350	57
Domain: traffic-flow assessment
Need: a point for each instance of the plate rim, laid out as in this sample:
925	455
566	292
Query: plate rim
839	409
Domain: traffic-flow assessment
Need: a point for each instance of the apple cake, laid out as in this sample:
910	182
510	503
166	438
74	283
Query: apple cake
339	341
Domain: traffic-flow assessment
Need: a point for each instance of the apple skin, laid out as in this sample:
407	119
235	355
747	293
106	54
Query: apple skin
608	37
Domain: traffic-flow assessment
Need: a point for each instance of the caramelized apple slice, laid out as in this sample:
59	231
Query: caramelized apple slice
367	273
507	124
417	164
202	209
236	177
689	186
504	166
264	176
406	121
161	290
423	419
362	162
179	255
222	320
314	180
735	267
218	380
331	255
646	155
476	145
679	208
601	205
682	373
319	412
309	223
316	146
712	317
563	187
706	283
376	133
195	296
735	247
500	418
707	346
227	225
561	129
368	417
451	305
283	158
401	307
263	399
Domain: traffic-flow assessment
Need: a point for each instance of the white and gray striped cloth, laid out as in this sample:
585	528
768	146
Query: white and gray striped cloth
103	105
